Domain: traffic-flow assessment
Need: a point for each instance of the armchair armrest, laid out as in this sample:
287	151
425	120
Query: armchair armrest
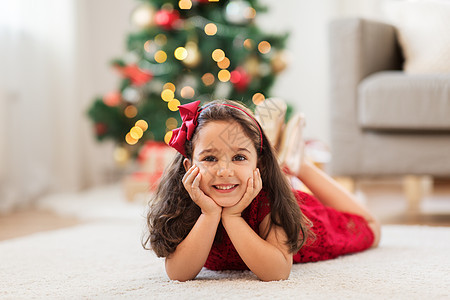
358	48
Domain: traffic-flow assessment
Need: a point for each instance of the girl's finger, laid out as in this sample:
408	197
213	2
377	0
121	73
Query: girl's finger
249	190
187	173
258	179
196	182
189	177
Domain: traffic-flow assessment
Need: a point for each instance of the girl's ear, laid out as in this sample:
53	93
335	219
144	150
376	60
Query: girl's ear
186	164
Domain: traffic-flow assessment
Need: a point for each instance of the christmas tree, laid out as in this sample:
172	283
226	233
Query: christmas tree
185	50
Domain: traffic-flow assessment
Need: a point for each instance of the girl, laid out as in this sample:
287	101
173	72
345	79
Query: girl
225	203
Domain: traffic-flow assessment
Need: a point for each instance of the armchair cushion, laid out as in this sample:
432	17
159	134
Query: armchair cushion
393	100
423	28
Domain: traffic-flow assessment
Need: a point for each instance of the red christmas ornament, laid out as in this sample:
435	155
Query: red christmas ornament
240	78
167	18
112	98
137	76
100	129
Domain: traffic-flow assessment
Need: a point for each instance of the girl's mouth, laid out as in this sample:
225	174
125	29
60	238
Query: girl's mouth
224	188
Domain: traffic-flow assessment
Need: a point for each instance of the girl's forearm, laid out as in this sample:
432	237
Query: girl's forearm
264	259
191	254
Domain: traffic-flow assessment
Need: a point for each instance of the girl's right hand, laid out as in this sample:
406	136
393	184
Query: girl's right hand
191	182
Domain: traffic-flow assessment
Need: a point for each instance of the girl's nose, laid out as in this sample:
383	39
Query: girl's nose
224	169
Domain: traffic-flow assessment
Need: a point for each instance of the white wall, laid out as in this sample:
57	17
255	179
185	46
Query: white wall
103	26
305	82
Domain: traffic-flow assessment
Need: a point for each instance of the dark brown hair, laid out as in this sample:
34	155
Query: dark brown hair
172	213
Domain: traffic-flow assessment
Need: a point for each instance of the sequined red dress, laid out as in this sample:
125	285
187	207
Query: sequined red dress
337	233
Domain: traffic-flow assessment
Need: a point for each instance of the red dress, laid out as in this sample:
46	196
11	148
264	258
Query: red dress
337	233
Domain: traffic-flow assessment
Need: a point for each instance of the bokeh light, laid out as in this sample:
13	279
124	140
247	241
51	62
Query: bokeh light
258	98
136	132
160	56
210	29
142	124
224	63
169	86
161	39
264	47
208	79
173	104
171	123
130	111
130	140
167	95
185	4
218	55
248	44
224	75
187	92
168	136
250	13
180	53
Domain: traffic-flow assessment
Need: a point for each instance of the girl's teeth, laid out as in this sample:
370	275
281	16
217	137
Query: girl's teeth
225	187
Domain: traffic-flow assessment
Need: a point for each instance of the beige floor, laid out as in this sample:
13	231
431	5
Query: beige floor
387	200
384	198
30	221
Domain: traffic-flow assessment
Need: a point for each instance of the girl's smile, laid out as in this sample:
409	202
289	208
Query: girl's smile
226	158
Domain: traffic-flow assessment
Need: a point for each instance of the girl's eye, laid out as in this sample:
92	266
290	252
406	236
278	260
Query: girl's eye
240	157
209	158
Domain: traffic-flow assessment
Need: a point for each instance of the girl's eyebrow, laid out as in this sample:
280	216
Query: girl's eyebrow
242	149
209	150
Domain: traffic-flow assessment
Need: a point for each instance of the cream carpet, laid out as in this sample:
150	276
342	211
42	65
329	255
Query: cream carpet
103	259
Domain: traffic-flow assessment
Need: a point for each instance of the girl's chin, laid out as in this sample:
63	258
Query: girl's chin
227	202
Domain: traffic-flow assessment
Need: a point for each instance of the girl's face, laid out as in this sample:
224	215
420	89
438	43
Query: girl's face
226	158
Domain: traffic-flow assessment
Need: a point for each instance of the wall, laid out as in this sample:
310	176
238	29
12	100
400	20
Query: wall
305	82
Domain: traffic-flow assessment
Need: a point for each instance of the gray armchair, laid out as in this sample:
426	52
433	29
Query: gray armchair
383	121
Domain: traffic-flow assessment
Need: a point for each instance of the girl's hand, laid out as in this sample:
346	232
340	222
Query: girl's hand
254	186
191	182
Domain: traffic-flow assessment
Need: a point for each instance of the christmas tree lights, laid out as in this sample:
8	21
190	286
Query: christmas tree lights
180	51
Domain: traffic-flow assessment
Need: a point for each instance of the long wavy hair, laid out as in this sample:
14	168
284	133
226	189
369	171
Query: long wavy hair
172	213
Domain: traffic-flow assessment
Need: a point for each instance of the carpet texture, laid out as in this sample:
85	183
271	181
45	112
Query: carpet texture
104	260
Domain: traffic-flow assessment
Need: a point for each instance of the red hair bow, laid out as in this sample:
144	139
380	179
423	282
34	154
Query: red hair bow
189	114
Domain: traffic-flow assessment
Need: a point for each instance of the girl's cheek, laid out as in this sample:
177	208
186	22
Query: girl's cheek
203	170
207	168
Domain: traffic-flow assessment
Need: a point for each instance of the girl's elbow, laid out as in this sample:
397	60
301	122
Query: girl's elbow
276	276
180	278
179	275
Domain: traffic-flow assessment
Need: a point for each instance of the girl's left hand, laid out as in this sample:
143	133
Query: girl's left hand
254	186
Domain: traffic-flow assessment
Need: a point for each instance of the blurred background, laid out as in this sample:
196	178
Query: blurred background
55	58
